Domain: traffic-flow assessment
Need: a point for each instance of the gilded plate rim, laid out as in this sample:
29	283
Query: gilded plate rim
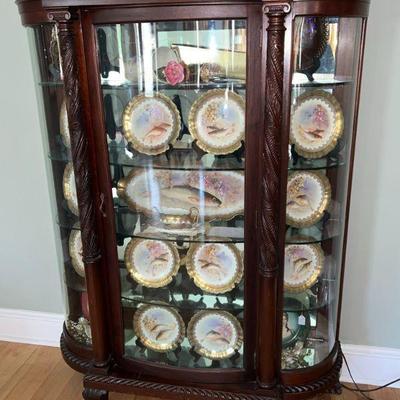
74	257
68	192
191	269
149	343
193	128
317	271
131	138
337	131
324	204
199	349
133	272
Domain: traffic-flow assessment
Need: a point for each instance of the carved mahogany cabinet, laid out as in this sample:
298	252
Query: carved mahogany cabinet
201	153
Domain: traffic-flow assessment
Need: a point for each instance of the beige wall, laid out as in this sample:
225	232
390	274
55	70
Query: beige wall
28	261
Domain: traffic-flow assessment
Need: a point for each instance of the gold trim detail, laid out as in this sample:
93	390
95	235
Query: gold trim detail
193	127
208	286
130	135
317	214
162	348
72	201
200	349
337	129
319	254
134	273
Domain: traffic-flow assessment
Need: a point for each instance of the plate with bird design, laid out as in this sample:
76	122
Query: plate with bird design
215	267
317	124
152	263
69	189
216	335
303	266
308	197
151	123
159	328
217	121
75	251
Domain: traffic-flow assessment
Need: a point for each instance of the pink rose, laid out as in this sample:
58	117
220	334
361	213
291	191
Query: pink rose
174	73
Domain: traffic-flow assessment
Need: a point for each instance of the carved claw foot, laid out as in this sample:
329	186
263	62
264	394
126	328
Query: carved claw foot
94	394
337	389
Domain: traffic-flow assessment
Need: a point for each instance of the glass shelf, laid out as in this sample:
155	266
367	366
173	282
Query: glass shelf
320	80
304	302
315	234
314	164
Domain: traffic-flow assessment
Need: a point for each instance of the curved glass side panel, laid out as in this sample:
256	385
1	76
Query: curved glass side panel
326	60
50	90
174	108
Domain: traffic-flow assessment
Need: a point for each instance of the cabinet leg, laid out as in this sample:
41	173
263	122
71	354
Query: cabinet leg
94	394
337	389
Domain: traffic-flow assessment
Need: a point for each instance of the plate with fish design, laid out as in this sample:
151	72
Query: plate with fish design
69	189
215	334
214	267
217	194
159	328
152	263
151	123
292	329
217	121
317	124
303	266
75	252
308	196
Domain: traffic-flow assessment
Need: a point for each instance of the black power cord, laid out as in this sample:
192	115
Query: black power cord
358	389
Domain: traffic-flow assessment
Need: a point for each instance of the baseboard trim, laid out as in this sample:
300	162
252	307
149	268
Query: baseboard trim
33	327
368	364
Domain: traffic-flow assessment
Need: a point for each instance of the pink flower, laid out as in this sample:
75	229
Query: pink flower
174	73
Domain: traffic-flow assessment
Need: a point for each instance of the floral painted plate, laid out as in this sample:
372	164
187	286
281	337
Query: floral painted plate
217	121
317	124
215	334
69	189
303	266
150	124
152	263
159	328
217	194
215	267
64	127
75	251
308	196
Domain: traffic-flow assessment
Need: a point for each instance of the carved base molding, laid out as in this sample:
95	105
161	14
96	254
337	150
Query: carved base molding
74	361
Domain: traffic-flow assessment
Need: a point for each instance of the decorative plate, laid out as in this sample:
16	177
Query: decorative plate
75	251
217	121
64	127
152	263
80	330
159	328
215	267
150	124
215	334
216	194
317	124
303	265
69	189
292	330
308	196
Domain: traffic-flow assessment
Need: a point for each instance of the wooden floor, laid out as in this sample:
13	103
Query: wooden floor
30	372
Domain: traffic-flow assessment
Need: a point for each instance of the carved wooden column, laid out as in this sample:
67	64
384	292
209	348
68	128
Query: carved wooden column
86	200
268	362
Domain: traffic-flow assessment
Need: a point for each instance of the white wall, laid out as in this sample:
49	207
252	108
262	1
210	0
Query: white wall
28	261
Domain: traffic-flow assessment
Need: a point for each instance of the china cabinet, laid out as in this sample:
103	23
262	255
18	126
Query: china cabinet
202	159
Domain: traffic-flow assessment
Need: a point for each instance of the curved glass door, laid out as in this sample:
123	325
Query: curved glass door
174	108
326	61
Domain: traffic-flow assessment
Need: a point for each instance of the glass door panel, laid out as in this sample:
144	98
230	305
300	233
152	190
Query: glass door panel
174	109
326	60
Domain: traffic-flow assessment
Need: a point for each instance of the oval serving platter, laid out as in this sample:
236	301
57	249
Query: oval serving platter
159	328
152	263
217	121
214	267
218	194
215	334
69	189
303	266
308	196
151	124
317	124
75	251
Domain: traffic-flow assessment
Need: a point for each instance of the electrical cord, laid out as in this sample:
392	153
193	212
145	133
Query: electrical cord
358	389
